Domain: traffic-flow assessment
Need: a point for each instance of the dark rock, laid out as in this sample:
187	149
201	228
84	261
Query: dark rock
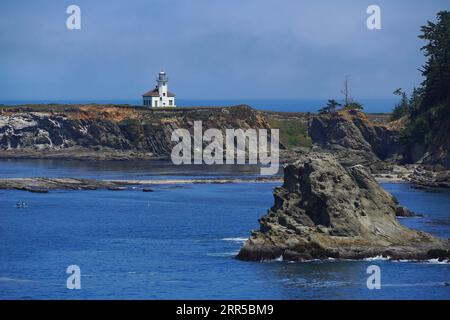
148	190
404	212
117	188
324	210
354	139
43	185
35	190
430	177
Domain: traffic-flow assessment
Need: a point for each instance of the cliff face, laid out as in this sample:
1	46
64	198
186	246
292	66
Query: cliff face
94	131
354	139
437	152
324	210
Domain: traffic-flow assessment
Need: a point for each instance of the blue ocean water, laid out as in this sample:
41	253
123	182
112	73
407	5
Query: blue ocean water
179	242
297	105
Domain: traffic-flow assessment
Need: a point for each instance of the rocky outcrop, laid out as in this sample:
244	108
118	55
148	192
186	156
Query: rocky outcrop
354	139
108	131
427	136
430	177
43	185
325	210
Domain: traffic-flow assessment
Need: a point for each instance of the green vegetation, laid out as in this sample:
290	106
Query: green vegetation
347	103
406	105
129	123
330	107
429	105
293	133
353	106
402	108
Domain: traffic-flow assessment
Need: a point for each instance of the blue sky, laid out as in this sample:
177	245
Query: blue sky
211	49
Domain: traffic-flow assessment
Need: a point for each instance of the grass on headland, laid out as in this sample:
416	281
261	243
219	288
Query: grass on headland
293	133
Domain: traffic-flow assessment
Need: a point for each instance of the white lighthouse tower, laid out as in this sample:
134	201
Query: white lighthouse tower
160	97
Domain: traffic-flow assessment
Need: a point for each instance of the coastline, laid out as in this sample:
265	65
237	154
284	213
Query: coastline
43	185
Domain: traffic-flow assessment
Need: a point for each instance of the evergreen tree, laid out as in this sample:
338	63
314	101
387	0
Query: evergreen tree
331	107
430	104
402	108
353	106
436	86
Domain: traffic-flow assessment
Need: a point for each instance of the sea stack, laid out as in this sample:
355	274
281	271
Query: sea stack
325	210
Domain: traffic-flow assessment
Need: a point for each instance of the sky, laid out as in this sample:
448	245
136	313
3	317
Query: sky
210	49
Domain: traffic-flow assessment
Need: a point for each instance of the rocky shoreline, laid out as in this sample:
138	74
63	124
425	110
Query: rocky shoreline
329	206
44	185
325	210
121	133
418	176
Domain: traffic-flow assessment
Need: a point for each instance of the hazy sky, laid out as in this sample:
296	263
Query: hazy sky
279	49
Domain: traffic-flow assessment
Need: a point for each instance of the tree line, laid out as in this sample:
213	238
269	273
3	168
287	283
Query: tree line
428	106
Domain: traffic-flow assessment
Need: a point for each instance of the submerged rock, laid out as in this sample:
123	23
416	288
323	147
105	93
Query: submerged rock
117	188
324	210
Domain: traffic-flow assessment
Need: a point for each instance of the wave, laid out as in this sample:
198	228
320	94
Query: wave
6	279
377	258
280	258
237	239
223	254
436	261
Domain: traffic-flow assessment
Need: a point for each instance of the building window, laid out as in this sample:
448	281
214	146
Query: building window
156	103
170	102
164	94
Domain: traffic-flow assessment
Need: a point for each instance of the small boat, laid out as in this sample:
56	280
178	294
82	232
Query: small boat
21	205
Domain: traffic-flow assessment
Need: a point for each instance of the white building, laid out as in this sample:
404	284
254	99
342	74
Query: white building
160	96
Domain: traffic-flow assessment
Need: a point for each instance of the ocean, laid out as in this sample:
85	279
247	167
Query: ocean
297	105
180	241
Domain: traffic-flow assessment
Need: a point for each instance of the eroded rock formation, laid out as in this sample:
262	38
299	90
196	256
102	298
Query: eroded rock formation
354	139
325	210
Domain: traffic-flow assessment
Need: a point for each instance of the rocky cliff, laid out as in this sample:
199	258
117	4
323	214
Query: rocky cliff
325	210
108	131
436	152
354	139
115	132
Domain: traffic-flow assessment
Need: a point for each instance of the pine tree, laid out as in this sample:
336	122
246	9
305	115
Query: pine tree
436	71
331	107
430	104
402	108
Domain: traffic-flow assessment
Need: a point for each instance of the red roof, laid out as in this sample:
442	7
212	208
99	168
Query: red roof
155	93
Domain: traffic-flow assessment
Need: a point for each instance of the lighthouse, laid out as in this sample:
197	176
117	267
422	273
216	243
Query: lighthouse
160	96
